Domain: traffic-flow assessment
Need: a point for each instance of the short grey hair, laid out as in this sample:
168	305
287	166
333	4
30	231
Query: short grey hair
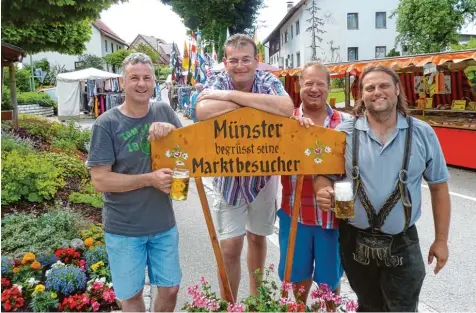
137	57
319	66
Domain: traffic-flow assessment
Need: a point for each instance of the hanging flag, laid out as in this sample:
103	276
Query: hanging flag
199	42
203	70
172	56
186	57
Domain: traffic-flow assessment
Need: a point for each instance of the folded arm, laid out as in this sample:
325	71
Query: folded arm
279	105
210	108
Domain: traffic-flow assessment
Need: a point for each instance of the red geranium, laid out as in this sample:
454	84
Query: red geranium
75	303
12	299
68	255
5	283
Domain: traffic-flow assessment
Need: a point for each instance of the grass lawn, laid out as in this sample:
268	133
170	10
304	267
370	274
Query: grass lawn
337	93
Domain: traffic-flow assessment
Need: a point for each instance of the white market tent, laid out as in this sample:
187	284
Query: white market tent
68	89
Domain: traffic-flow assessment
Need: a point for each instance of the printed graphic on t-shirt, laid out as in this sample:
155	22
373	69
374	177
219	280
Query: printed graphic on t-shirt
136	139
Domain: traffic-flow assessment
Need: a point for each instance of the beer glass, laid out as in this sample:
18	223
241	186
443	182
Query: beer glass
343	200
180	181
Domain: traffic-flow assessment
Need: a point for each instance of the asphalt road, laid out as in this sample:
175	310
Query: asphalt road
453	289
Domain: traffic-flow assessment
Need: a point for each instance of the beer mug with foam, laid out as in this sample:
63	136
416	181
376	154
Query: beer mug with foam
343	200
180	180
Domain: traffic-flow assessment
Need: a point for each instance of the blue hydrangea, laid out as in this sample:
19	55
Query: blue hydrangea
96	254
7	265
66	280
46	259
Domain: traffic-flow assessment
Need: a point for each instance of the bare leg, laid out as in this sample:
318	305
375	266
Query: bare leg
134	304
166	299
302	296
231	251
256	259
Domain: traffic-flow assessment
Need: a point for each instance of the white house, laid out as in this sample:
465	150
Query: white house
103	41
353	30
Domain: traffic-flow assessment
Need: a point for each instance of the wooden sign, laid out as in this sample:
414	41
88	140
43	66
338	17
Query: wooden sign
249	142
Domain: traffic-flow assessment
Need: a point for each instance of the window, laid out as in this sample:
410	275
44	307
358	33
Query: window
286	36
292	35
105	44
352	20
112	47
298	59
297	28
381	20
380	52
352	54
117	47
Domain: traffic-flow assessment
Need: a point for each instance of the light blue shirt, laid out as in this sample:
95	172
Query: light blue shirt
193	100
380	164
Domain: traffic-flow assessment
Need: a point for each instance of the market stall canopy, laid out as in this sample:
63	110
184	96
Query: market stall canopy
88	73
68	89
11	54
454	60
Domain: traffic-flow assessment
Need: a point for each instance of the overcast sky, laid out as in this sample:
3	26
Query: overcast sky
152	18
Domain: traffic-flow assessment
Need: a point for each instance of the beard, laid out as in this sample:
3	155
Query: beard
381	114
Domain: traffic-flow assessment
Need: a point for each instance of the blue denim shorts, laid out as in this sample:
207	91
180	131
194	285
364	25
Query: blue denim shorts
129	256
316	253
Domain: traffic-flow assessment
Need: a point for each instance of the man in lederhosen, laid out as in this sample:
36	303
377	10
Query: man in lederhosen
387	155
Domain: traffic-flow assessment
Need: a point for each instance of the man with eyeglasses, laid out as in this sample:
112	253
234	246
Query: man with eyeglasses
243	205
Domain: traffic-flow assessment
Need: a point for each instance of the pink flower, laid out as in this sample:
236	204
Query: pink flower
95	305
302	289
318	150
177	154
203	281
109	295
235	308
285	286
351	306
271	267
213	305
85	299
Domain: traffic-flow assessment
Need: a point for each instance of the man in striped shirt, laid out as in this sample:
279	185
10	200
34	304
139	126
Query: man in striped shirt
316	255
243	205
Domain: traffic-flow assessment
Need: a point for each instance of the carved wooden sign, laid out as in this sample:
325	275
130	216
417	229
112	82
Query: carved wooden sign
249	142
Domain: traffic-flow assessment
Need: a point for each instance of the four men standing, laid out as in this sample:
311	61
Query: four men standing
386	276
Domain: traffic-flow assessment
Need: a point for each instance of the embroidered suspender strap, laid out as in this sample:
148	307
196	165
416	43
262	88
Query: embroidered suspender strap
400	192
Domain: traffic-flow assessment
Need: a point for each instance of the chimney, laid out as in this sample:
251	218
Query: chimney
289	4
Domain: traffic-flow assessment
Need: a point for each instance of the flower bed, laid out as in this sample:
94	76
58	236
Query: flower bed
68	280
269	299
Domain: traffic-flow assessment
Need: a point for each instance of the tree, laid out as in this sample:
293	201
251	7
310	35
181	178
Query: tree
470	45
315	28
152	53
54	25
426	26
393	53
89	60
213	17
116	58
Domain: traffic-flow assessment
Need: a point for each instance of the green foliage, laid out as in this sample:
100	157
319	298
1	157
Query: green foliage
12	142
70	166
55	25
393	53
29	176
213	17
46	301
41	98
22	79
88	195
25	232
426	26
48	35
163	72
153	54
89	60
337	83
6	103
36	126
72	132
470	45
117	57
94	231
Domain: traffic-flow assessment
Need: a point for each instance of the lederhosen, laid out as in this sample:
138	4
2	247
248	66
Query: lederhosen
372	243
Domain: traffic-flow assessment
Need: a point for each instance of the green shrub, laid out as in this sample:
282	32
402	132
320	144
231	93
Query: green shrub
29	176
27	233
12	142
37	126
6	104
94	231
88	195
73	133
70	166
40	98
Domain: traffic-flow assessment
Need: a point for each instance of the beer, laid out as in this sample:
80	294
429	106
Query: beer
180	181
343	200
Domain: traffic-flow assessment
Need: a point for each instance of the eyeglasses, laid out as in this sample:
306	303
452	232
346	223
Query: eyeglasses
235	62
